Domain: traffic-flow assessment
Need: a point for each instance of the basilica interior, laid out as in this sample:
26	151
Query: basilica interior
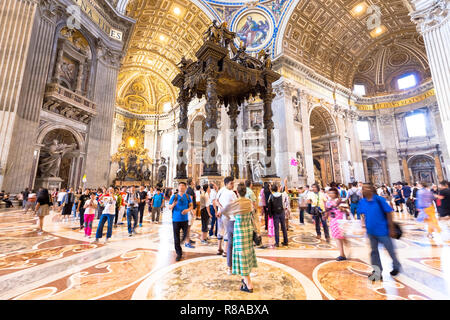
97	93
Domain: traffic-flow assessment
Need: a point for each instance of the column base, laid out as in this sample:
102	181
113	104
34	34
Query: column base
49	183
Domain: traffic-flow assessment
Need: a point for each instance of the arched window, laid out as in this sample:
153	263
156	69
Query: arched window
416	125
407	81
359	89
363	130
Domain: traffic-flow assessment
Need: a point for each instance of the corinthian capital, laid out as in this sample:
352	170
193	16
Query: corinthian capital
430	13
284	88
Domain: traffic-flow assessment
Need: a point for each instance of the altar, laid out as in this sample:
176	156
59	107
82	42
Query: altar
226	76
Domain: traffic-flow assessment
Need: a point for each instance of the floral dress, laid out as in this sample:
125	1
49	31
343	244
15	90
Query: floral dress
244	257
331	206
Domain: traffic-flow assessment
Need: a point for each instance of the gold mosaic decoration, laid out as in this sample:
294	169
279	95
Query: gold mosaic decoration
132	143
164	32
326	37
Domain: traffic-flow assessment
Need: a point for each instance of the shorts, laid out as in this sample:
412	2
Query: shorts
399	201
43	210
205	219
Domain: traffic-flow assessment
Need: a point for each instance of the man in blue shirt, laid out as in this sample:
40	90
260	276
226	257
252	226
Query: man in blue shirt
157	203
380	228
180	204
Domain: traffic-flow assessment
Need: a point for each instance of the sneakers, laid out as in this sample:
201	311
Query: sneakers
394	272
191	241
229	272
285	244
96	240
106	240
188	245
140	225
178	258
341	258
130	234
375	277
204	242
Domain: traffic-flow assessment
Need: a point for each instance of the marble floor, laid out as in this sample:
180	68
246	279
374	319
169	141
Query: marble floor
63	264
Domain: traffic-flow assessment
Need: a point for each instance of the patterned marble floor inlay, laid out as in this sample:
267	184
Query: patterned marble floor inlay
207	278
99	280
144	266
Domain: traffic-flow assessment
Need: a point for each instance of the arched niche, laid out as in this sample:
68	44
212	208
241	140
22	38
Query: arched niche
375	171
60	157
422	168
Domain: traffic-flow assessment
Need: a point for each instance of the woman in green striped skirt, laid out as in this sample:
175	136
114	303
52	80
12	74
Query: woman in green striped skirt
244	257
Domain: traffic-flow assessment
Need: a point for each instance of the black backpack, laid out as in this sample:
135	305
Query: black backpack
354	197
276	206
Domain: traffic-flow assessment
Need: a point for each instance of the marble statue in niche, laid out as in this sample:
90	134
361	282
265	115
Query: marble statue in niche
296	105
257	170
300	165
50	164
121	173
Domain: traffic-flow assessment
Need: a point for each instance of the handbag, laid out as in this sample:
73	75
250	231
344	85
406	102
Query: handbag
257	239
397	229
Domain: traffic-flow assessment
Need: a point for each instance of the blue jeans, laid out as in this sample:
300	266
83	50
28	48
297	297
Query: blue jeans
375	255
213	221
353	209
132	213
101	223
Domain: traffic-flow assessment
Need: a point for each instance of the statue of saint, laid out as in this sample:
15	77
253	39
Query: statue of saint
257	172
51	164
121	173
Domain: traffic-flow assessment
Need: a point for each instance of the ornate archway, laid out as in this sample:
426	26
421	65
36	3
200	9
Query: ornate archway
324	141
374	171
422	168
60	158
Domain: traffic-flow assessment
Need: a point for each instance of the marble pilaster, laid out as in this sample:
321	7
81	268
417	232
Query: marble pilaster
306	135
28	32
433	22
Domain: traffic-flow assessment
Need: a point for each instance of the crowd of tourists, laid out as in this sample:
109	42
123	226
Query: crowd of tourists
237	217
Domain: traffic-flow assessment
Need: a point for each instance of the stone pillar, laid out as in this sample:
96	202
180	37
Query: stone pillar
270	168
306	135
388	139
98	162
286	131
233	112
366	170
210	156
433	20
28	30
385	172
182	144
406	170
438	166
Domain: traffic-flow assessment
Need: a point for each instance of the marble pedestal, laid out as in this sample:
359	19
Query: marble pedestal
49	183
218	180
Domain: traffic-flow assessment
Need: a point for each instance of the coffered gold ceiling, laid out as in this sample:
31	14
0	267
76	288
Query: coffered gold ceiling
324	35
165	31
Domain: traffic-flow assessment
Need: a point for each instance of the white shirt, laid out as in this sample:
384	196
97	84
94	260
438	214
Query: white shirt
110	204
224	197
197	195
90	210
212	196
61	195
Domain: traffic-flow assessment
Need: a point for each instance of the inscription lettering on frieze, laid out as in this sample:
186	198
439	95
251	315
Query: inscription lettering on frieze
92	11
